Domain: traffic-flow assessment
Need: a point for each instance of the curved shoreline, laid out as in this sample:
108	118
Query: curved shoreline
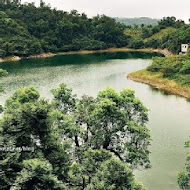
156	80
164	52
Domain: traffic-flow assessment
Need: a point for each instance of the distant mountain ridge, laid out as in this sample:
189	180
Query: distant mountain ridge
139	21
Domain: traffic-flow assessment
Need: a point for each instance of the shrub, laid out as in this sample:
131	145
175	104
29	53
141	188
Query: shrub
186	68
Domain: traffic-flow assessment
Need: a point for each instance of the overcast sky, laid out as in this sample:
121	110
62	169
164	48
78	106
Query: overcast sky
125	8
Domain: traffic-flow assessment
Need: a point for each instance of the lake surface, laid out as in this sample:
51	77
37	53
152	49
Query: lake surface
169	115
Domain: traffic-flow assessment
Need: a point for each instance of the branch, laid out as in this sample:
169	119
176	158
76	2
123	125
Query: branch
116	153
76	141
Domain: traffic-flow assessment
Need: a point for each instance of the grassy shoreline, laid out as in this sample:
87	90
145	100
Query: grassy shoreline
165	52
157	80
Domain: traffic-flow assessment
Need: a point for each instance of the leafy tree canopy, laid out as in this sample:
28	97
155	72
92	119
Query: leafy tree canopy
184	176
73	143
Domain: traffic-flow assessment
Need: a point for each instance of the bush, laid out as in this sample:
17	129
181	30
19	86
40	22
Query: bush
168	66
186	68
138	44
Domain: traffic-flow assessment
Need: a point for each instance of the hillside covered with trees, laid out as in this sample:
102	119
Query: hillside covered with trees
169	33
27	30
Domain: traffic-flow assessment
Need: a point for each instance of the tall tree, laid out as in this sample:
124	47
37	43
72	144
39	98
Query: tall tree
72	143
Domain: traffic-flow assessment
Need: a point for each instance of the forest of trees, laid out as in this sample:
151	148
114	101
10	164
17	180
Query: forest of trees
27	30
170	33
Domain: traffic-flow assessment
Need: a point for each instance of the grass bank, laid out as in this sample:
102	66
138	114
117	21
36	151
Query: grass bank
165	52
156	79
110	50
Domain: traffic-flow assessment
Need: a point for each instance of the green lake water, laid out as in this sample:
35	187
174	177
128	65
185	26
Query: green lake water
169	115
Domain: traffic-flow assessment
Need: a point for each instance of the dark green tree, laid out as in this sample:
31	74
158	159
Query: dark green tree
27	122
72	143
113	121
184	176
37	174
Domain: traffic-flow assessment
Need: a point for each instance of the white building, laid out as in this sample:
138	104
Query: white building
184	48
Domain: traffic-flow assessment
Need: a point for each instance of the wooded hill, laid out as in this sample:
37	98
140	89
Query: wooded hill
28	30
169	33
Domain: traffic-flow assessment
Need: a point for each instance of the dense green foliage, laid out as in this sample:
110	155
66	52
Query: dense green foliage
71	143
27	30
141	21
168	33
184	176
3	73
176	68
